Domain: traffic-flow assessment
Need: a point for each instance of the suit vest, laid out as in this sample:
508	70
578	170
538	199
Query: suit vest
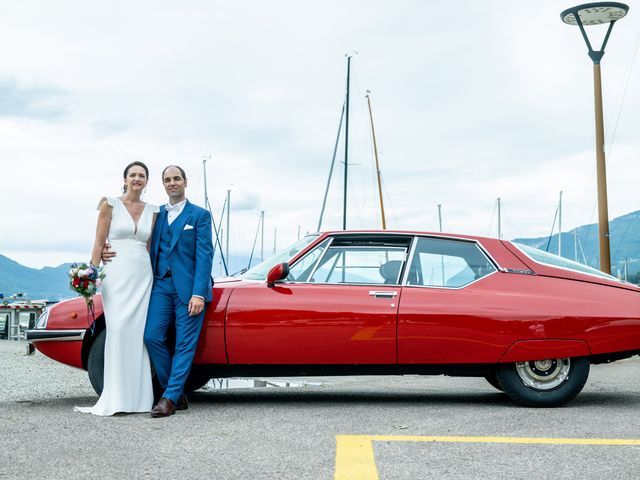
163	266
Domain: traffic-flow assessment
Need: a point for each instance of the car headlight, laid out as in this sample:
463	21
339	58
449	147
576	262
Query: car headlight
42	320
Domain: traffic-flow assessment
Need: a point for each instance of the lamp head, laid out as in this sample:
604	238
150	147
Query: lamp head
595	13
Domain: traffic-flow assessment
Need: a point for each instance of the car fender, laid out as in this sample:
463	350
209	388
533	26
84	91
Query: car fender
525	350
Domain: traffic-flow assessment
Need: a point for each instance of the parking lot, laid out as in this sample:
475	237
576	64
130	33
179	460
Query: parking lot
358	427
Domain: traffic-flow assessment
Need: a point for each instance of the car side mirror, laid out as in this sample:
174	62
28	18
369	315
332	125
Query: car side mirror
278	272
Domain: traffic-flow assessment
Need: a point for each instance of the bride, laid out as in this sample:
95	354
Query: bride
127	222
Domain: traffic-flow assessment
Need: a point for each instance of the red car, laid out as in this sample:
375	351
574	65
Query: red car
382	302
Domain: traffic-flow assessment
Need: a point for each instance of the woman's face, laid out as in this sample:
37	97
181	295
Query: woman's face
136	179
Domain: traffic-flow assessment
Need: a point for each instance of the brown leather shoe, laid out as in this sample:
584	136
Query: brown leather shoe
183	403
164	408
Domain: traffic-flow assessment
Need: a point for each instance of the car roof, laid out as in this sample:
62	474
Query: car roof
406	232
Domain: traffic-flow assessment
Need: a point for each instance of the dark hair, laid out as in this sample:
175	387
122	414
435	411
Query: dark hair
134	164
184	175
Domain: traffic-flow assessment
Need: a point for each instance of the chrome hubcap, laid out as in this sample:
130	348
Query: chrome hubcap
544	374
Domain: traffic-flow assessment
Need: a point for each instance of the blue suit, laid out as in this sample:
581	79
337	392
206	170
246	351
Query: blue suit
184	251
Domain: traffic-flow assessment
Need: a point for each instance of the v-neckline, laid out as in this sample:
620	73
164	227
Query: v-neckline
135	224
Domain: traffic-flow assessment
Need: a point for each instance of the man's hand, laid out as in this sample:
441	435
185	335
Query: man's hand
107	253
196	305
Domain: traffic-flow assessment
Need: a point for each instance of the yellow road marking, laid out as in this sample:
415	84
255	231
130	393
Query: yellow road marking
355	458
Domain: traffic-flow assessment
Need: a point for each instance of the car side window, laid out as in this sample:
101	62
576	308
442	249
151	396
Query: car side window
370	265
300	271
441	262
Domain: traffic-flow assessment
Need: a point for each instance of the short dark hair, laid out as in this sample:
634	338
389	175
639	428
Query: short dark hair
184	175
134	164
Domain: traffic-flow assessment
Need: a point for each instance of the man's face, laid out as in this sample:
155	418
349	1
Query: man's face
174	184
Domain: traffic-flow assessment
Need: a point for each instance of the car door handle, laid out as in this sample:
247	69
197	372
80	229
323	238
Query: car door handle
382	294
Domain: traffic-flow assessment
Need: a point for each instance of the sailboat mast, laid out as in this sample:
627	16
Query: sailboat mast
275	236
499	221
262	235
560	225
218	234
228	223
441	256
204	168
346	146
375	151
333	161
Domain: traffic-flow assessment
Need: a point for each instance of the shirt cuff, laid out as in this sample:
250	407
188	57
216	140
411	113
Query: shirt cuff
199	296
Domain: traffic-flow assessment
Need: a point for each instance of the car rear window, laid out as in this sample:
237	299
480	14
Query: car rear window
547	258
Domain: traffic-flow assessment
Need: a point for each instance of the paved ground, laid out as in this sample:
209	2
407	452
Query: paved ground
292	432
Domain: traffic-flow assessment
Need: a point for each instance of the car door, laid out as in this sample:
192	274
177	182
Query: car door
338	306
451	308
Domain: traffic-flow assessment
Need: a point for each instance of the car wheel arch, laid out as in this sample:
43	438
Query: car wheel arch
89	338
542	349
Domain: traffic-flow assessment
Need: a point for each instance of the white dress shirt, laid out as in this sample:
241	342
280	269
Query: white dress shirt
174	210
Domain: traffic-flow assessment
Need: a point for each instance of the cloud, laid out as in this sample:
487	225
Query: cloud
45	103
107	128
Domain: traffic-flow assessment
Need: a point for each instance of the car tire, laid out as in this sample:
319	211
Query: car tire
95	362
195	382
544	383
492	379
95	367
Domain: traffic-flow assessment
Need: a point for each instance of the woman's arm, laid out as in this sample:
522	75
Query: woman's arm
102	230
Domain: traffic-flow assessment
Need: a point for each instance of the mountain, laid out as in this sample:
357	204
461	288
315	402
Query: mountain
48	283
51	282
582	243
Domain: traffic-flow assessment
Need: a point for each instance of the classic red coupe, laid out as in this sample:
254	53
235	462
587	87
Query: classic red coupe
392	302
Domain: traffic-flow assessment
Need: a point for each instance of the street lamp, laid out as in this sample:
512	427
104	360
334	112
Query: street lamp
597	14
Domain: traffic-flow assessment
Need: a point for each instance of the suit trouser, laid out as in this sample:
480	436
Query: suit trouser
165	308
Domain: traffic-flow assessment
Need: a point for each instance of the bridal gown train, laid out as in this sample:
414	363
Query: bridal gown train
126	289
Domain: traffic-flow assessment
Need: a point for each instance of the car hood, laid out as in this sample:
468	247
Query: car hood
219	280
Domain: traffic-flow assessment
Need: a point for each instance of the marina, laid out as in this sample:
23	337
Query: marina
446	287
17	315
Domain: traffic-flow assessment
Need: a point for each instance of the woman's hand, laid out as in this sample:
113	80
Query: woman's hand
107	254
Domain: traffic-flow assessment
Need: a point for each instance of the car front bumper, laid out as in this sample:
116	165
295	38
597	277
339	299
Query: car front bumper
42	335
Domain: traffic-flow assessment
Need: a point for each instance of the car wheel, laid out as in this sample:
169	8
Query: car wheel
493	381
195	382
95	362
544	383
95	367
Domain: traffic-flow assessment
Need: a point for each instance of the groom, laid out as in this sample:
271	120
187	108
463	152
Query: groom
182	258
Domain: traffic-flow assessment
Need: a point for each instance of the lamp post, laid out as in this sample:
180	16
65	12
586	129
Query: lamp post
598	13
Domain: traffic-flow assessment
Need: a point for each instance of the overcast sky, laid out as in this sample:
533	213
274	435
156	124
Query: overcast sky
471	101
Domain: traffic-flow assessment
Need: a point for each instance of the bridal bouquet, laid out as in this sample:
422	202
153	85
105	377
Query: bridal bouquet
85	280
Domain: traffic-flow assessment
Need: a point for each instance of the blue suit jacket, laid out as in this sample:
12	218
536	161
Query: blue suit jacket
191	253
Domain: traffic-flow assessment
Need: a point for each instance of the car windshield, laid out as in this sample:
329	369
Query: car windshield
547	258
259	272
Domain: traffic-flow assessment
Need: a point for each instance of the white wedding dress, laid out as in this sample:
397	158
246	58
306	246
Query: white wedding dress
126	289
